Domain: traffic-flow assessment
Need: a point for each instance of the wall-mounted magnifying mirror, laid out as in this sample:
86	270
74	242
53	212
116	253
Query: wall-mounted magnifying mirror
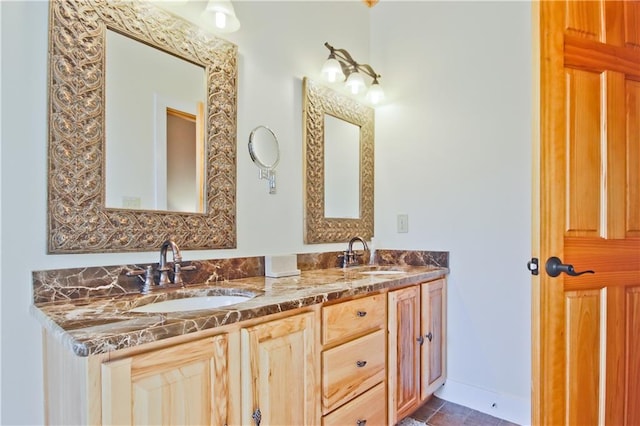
265	153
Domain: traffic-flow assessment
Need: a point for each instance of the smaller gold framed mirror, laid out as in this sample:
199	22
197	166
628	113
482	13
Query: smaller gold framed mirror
338	134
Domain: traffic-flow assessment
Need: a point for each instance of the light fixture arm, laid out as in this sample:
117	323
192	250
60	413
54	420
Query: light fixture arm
348	64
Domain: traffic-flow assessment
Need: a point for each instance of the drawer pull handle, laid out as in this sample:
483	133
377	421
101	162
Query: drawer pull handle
361	313
361	364
361	422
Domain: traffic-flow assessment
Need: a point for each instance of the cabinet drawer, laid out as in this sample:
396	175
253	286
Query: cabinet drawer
350	369
353	317
368	409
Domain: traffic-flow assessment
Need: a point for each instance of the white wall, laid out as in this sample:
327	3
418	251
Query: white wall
453	152
1	63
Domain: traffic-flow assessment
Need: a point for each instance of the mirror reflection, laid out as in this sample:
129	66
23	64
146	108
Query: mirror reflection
154	128
341	168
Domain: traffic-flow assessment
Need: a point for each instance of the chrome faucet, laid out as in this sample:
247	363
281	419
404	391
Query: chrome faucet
164	269
349	257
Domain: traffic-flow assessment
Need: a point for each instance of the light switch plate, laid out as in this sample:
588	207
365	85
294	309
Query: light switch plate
403	223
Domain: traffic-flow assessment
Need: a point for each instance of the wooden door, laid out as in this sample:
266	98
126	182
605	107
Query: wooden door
434	356
404	352
186	384
280	372
586	329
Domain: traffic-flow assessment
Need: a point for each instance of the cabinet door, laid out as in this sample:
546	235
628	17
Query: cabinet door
404	352
280	386
186	384
433	330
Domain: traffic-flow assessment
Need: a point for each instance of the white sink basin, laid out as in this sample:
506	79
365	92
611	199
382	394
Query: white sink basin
382	272
191	304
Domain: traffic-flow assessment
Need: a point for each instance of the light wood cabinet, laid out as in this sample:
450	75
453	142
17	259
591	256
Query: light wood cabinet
185	384
279	372
416	357
404	352
354	361
434	355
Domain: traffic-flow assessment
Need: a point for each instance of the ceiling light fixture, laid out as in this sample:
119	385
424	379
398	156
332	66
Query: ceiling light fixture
220	16
341	65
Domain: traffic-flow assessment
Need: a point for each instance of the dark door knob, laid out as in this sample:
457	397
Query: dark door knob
555	267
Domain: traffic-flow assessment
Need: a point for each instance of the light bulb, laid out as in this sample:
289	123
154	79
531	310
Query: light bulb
355	82
220	16
221	20
375	93
331	70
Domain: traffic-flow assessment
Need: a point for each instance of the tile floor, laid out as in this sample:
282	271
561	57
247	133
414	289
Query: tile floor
437	412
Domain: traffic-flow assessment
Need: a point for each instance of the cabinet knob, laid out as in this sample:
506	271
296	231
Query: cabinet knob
429	336
361	313
360	422
420	340
257	416
361	364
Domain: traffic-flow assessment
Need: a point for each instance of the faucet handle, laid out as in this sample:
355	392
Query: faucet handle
148	278
348	258
164	275
177	272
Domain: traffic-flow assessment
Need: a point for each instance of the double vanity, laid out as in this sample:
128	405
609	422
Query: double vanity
333	346
218	343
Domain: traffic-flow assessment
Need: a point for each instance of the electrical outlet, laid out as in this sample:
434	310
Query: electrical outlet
130	202
403	223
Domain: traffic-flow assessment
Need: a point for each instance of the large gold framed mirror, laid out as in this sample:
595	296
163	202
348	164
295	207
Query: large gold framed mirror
338	135
81	162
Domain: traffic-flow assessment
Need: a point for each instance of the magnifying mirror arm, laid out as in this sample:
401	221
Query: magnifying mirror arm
270	175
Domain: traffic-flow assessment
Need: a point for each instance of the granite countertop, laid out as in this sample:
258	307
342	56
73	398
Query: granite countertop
89	326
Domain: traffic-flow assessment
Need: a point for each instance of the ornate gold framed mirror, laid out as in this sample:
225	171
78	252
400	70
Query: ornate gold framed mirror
78	219
338	135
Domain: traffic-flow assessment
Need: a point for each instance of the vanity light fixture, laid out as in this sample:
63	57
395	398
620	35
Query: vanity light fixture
340	64
221	16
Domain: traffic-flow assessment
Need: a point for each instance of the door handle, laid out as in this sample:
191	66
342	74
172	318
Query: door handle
555	267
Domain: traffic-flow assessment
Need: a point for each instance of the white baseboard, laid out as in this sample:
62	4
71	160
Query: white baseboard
508	407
